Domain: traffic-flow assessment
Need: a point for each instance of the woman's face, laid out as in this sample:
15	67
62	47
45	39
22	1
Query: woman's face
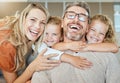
34	24
97	32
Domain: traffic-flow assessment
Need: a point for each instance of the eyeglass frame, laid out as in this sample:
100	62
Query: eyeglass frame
76	14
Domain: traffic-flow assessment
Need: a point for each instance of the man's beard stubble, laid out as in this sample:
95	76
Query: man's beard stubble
77	37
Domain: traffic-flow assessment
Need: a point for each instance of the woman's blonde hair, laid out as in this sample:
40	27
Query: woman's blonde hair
17	36
110	35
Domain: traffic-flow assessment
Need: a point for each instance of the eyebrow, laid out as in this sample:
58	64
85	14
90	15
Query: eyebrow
40	20
77	13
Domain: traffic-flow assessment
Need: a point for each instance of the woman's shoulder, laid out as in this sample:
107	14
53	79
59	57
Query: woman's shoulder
7	56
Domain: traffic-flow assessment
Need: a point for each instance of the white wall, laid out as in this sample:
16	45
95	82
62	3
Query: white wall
118	42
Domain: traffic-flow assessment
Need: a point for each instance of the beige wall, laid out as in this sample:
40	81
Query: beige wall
54	8
107	8
7	9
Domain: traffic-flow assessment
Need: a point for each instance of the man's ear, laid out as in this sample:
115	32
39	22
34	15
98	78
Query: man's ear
88	26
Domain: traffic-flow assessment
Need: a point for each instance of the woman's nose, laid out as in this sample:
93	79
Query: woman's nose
37	25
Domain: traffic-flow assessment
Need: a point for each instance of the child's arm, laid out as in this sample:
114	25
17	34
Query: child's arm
61	46
76	61
101	47
81	46
74	46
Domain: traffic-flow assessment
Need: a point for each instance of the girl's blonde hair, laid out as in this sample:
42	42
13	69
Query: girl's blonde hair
17	36
110	35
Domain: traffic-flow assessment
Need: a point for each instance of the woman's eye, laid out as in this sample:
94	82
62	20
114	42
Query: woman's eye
42	23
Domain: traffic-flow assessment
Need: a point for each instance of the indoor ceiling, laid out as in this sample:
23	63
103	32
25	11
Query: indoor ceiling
59	0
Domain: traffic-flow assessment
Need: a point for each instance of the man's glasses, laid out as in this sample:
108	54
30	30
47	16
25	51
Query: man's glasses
71	15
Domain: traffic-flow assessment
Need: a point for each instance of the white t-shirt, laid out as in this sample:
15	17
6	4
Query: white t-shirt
49	51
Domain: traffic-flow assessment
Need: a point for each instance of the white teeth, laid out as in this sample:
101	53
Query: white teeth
35	32
94	39
74	27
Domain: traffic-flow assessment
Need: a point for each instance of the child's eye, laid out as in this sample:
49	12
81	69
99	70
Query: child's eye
102	34
92	29
46	33
54	34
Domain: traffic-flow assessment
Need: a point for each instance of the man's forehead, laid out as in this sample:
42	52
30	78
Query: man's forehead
77	9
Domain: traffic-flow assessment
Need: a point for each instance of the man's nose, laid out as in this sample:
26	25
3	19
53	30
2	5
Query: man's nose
76	18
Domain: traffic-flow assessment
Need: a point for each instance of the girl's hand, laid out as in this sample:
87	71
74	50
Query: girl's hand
29	81
80	62
43	62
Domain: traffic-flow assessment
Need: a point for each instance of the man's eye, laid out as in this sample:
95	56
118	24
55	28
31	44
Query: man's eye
82	19
71	16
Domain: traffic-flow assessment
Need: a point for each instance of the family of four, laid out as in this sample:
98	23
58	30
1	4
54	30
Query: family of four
85	49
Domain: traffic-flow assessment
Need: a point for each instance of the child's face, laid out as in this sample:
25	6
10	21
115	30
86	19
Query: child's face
97	32
52	34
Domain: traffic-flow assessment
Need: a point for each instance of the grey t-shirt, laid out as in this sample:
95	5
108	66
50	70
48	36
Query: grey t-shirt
105	69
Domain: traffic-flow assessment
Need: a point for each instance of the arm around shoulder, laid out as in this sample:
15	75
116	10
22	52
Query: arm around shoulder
102	47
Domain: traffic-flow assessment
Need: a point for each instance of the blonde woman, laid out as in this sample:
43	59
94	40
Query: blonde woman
17	34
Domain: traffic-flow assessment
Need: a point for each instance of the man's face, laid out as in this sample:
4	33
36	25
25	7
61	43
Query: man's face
75	23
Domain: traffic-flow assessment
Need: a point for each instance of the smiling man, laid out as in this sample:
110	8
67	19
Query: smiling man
105	69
